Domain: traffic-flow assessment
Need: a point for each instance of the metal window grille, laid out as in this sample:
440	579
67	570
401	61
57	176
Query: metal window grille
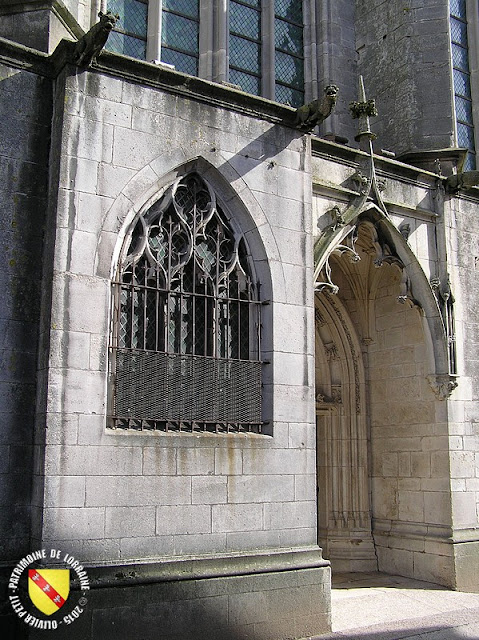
186	320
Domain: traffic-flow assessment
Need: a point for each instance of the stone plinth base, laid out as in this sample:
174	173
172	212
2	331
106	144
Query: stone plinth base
466	556
265	596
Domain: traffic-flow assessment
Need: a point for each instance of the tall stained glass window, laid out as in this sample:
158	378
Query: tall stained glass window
180	34
129	35
245	44
184	353
289	58
462	81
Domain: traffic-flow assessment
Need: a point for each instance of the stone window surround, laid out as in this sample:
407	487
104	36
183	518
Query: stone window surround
214	36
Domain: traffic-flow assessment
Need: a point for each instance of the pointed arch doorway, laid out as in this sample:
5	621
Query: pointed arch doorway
344	514
382	495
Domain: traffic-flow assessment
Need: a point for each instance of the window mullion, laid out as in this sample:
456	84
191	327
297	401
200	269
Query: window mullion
211	43
153	45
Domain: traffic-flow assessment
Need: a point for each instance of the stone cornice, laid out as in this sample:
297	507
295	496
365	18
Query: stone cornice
149	74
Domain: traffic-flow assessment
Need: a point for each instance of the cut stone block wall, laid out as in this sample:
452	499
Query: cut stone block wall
403	51
409	447
463	251
25	110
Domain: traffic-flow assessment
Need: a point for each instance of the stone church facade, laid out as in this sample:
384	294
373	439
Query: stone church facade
238	354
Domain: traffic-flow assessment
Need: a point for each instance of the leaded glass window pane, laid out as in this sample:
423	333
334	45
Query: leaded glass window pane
465	136
179	33
290	96
289	62
459	32
244	54
462	85
185	7
245	45
185	347
470	162
458	8
290	10
181	61
462	80
133	15
289	70
460	58
288	37
244	21
129	35
247	82
463	110
126	45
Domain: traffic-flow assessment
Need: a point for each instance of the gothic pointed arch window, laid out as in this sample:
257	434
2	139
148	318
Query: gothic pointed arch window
185	340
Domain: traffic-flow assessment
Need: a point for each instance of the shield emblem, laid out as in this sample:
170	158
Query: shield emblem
48	588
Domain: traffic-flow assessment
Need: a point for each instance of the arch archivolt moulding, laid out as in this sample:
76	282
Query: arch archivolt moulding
344	514
388	245
149	184
340	388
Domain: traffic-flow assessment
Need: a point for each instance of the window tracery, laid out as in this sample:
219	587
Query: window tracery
185	342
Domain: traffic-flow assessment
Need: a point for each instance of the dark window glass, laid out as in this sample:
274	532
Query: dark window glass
185	7
247	82
244	21
179	35
245	45
462	80
129	35
289	60
289	70
290	10
244	54
290	96
288	37
470	162
181	61
127	45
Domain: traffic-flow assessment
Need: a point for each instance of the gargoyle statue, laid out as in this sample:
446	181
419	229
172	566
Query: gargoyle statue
315	112
89	47
462	181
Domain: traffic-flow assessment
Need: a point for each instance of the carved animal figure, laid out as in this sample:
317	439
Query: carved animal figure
89	47
315	112
462	181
